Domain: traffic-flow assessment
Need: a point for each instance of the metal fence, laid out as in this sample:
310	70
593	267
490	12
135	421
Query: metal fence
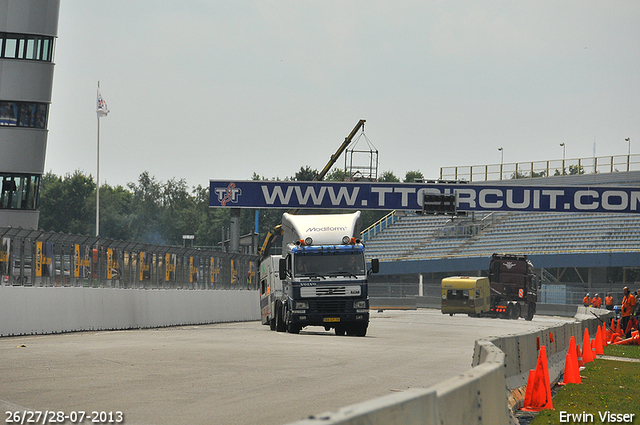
549	293
37	258
518	170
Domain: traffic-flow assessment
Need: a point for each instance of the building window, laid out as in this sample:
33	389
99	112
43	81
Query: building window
19	191
25	46
23	114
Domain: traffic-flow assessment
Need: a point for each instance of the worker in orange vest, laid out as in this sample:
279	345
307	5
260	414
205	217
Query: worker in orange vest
586	301
596	301
628	307
608	301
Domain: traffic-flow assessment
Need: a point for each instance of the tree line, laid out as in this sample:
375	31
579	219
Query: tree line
156	212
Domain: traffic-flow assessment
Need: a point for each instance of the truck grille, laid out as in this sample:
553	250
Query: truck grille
330	306
337	290
330	291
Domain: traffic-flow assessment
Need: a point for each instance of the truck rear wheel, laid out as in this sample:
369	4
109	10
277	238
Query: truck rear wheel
516	311
280	325
508	314
340	330
531	310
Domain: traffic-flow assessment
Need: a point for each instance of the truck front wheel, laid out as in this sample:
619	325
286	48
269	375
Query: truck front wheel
293	329
361	329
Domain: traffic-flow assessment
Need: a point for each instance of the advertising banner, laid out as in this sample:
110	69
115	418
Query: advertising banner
109	264
410	196
214	270
194	265
81	261
145	266
169	267
44	255
114	263
4	259
234	273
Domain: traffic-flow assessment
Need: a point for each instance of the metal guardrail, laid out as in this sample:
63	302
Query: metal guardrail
489	252
519	170
38	258
379	226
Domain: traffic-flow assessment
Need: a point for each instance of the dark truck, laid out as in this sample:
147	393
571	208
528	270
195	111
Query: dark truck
512	287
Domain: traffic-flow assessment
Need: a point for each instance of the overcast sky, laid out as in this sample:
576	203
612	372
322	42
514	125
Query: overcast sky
207	89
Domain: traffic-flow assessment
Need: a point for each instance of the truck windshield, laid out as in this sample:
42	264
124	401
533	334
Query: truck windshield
350	264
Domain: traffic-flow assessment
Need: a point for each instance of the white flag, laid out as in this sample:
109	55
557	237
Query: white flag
102	106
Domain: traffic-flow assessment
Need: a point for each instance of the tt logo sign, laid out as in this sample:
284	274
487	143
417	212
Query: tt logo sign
228	194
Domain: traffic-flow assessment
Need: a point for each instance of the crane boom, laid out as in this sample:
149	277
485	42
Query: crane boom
341	149
277	231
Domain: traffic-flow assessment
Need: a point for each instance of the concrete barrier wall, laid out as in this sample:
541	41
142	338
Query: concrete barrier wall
43	310
483	394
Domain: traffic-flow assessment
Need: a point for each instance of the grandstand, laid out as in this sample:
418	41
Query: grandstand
425	237
583	251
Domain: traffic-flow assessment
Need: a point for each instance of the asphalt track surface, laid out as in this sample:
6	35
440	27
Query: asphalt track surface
238	373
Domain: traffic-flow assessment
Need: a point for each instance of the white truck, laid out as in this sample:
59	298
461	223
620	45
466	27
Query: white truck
321	277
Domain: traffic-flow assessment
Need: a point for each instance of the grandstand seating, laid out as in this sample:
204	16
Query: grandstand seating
417	237
422	237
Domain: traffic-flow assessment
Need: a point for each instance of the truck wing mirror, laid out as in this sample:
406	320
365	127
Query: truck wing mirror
283	269
375	265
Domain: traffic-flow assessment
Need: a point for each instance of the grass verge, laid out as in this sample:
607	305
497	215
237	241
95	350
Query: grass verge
607	386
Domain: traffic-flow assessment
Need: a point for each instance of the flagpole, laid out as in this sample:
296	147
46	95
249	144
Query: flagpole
101	111
98	176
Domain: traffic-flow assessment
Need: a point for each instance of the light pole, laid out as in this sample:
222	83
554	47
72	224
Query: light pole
563	157
628	140
501	160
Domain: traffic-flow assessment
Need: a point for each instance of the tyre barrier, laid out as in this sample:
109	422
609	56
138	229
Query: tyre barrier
488	393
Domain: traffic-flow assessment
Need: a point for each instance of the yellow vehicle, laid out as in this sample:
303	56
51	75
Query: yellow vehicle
465	294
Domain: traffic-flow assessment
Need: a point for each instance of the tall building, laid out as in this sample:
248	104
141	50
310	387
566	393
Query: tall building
28	30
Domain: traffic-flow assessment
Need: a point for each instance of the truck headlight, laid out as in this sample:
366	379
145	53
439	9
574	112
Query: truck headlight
302	305
360	304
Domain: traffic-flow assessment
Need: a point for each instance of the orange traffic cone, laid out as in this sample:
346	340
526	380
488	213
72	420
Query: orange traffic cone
587	355
611	329
570	376
529	389
631	325
580	360
571	369
573	350
618	330
598	342
603	334
634	340
612	332
540	393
